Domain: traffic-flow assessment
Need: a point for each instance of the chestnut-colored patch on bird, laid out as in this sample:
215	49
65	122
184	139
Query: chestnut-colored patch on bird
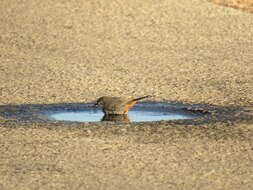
128	106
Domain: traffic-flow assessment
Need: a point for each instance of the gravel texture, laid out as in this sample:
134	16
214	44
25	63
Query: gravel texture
70	51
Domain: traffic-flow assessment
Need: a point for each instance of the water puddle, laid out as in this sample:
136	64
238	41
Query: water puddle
139	113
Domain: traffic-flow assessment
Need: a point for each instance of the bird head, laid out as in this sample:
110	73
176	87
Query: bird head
100	102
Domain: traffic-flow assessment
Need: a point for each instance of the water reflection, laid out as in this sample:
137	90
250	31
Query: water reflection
134	115
116	118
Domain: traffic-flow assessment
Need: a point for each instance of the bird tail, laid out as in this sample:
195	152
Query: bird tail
136	99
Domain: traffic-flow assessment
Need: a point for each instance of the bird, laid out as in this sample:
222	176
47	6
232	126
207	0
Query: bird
117	105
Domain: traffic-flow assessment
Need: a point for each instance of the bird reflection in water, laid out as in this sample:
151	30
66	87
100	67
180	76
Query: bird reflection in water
116	117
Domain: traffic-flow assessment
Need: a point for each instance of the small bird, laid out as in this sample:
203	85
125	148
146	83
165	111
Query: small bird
117	105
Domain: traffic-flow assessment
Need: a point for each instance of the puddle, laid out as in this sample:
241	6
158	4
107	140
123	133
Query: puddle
139	113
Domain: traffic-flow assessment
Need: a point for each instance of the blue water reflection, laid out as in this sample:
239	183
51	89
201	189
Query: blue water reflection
135	115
